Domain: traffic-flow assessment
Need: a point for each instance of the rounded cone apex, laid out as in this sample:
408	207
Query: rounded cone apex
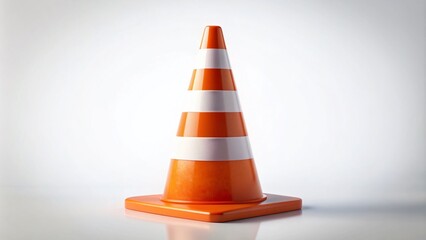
213	38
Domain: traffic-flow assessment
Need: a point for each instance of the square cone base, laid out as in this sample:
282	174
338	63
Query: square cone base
214	212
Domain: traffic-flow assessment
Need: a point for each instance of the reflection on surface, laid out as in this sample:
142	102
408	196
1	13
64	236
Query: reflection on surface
183	229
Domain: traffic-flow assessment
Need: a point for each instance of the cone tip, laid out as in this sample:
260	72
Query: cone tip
213	37
213	26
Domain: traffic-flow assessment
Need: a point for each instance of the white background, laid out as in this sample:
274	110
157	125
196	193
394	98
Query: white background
333	94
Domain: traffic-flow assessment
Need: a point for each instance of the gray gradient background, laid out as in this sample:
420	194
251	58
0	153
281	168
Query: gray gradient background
333	93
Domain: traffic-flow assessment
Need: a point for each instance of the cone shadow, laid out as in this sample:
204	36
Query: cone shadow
178	229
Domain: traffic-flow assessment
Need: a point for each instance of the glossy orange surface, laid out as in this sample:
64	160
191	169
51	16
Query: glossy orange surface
213	38
212	79
211	124
213	190
214	212
212	182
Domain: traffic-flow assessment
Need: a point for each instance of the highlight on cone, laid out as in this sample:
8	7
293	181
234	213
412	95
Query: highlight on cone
212	174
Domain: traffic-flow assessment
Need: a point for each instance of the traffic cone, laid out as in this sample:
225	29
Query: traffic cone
212	175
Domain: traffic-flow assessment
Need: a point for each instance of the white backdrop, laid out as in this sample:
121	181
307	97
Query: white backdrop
333	92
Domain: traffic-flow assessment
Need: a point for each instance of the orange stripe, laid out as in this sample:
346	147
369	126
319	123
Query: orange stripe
212	79
221	182
211	124
213	38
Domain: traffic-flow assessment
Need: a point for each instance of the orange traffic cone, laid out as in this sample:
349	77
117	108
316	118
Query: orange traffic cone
212	175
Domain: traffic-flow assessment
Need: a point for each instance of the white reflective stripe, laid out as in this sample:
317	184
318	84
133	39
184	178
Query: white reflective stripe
212	101
212	149
212	58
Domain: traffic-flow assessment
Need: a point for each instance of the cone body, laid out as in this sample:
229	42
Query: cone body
212	162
